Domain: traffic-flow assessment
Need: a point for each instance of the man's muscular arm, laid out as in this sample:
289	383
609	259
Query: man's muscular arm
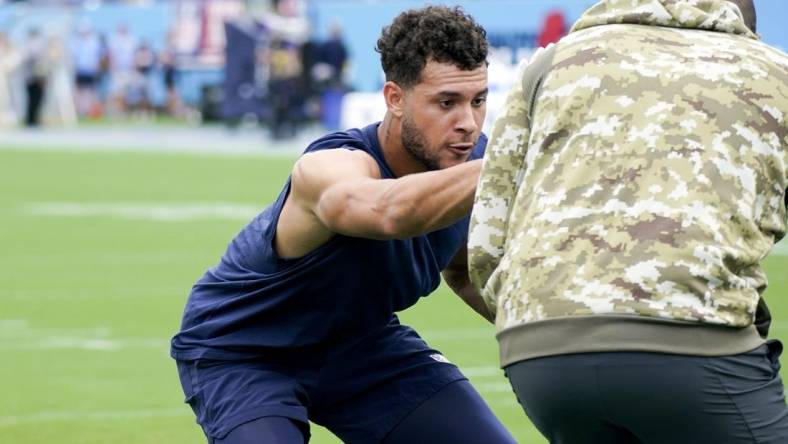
340	191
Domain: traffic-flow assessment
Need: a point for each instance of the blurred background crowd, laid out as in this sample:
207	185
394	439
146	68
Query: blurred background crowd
64	62
283	65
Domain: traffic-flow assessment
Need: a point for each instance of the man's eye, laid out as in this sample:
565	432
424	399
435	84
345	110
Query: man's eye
479	101
445	103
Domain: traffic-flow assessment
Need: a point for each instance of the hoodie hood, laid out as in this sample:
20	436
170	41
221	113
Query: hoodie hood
710	15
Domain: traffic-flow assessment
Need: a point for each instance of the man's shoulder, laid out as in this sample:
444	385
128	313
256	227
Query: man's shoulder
354	138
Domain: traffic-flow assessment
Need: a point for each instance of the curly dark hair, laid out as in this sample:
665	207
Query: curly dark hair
440	33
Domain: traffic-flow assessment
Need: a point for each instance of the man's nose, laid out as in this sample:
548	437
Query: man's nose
466	121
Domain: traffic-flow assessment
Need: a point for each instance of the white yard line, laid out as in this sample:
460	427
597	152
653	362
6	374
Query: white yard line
95	293
188	140
21	335
41	417
168	255
75	343
159	211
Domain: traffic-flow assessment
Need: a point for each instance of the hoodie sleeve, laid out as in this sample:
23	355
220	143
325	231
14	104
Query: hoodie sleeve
502	172
503	163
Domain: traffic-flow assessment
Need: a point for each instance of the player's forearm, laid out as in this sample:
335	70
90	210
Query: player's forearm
424	202
409	206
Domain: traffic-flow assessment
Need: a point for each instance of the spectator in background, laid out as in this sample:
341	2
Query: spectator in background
287	21
284	91
10	59
103	79
86	54
308	88
122	47
59	106
35	73
139	95
333	52
634	182
169	69
333	58
289	31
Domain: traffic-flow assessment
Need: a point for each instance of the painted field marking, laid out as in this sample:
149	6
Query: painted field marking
20	335
93	293
40	417
127	256
91	344
160	212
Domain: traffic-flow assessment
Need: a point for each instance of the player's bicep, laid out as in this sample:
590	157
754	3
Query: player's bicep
339	187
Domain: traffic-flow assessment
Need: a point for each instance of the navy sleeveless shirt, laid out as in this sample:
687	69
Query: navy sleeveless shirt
254	302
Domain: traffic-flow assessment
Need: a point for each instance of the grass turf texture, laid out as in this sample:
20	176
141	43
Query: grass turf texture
88	303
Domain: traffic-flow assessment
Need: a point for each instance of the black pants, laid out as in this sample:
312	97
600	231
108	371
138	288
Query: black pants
630	397
35	96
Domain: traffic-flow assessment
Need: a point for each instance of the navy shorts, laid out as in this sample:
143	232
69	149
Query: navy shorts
358	391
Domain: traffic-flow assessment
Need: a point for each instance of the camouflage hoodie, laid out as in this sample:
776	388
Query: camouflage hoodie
633	183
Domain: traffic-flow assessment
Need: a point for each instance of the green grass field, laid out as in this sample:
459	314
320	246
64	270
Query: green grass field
98	253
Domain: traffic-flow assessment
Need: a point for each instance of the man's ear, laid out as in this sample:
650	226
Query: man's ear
395	98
